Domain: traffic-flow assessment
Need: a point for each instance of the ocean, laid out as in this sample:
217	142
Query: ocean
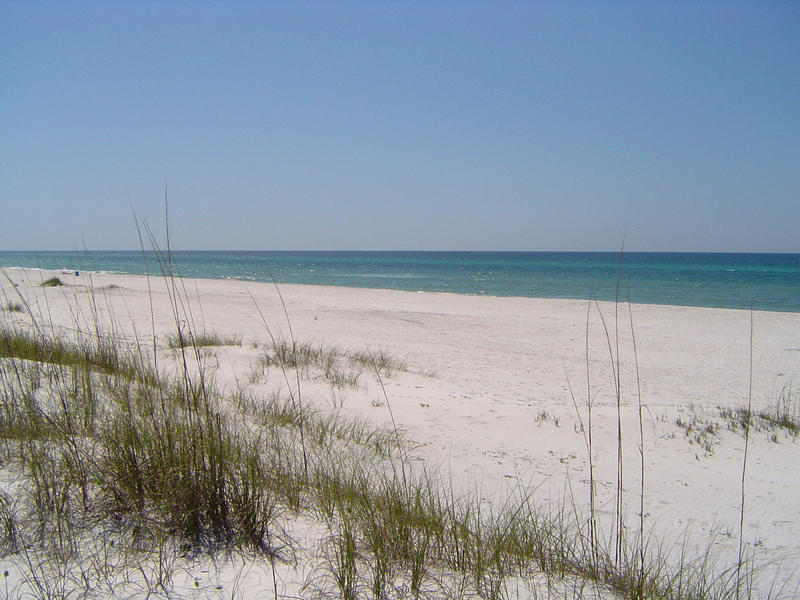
763	281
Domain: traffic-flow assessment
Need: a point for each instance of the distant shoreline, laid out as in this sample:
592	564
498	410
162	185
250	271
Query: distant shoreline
762	281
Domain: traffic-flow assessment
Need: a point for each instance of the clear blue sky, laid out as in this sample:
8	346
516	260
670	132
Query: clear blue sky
402	125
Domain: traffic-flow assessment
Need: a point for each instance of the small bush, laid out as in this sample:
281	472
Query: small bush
52	282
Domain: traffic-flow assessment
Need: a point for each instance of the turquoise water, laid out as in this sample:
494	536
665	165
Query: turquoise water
767	281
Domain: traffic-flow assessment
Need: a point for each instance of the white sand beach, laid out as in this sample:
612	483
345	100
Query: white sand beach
486	401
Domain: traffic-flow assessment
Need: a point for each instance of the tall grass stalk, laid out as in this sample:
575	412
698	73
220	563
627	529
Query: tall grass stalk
294	353
618	528
639	405
740	559
391	415
295	396
589	447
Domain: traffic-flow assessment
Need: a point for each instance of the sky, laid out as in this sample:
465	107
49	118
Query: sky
401	125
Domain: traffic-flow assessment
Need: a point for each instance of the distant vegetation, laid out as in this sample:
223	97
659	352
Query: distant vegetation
52	282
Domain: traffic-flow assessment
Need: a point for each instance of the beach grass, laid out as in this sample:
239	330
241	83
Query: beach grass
52	282
342	368
201	340
783	415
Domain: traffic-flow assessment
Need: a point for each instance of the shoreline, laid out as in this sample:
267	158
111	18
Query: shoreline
282	284
486	395
723	280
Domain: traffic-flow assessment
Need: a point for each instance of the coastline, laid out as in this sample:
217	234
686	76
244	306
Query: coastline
721	280
486	395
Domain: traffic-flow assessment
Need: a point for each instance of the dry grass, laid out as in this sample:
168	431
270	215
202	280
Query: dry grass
200	340
341	368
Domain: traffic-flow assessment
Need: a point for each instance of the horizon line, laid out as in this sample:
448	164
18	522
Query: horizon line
353	251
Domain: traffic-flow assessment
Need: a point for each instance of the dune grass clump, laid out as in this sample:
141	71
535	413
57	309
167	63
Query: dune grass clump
15	307
52	282
783	415
122	443
701	431
201	340
90	352
341	368
194	475
786	412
